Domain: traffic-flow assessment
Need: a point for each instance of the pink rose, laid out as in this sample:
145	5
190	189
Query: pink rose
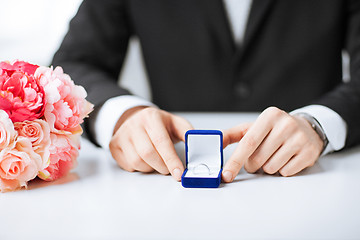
7	131
18	165
66	106
21	96
19	66
63	154
38	132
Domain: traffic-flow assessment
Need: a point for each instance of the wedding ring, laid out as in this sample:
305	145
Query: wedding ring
201	169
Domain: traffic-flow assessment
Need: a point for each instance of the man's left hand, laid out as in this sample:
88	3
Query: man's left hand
275	142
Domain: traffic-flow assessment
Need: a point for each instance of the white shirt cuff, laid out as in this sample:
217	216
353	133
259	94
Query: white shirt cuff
332	123
109	114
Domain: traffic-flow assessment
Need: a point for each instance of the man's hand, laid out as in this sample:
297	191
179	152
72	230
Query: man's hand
144	140
275	142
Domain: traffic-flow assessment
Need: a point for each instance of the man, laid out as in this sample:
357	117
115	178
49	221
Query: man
221	55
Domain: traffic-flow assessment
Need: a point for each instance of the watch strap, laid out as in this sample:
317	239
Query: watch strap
316	126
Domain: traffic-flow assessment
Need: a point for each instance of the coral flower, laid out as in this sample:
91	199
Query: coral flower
18	165
63	154
38	132
21	96
66	104
7	131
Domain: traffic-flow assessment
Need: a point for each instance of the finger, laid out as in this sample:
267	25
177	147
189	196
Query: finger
268	147
146	150
235	134
247	146
165	147
120	159
133	158
296	164
281	134
279	158
178	126
290	148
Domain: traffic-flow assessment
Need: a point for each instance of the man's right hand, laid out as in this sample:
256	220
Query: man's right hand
144	140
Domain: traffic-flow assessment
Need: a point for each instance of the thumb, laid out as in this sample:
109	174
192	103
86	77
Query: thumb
235	134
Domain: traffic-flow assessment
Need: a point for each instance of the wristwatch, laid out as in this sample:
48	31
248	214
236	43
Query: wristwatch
317	128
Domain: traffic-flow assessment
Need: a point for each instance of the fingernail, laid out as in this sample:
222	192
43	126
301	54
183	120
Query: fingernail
227	176
177	174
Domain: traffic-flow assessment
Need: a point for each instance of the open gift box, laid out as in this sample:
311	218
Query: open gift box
204	159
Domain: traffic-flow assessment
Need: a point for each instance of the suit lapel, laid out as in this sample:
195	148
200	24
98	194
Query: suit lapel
217	21
258	12
217	24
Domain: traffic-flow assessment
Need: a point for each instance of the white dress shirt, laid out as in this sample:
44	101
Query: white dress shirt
238	11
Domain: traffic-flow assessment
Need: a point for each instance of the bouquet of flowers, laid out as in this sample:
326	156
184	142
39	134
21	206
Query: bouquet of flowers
41	110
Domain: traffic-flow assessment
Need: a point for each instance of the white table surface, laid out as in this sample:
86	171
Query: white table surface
98	200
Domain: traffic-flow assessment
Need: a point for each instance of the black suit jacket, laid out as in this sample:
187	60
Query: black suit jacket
291	55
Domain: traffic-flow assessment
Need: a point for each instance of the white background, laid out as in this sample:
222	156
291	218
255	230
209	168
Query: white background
32	30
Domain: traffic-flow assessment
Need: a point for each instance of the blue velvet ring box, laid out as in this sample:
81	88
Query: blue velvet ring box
204	159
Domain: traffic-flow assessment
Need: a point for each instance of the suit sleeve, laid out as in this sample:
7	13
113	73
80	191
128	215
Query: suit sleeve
345	99
93	51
